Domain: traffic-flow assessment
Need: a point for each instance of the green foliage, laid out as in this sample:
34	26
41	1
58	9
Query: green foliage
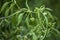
20	18
25	24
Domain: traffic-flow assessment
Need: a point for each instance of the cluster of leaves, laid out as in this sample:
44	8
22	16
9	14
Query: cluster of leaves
23	23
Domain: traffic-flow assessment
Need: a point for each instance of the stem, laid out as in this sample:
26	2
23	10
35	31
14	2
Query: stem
58	32
13	13
27	4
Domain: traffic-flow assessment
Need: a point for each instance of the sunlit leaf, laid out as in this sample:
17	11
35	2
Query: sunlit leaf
20	18
8	9
4	6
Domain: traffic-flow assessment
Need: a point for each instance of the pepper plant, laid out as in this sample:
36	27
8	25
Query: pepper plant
23	23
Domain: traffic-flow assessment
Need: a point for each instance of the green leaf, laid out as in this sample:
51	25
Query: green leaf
4	6
46	20
8	9
27	4
20	18
34	36
27	21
